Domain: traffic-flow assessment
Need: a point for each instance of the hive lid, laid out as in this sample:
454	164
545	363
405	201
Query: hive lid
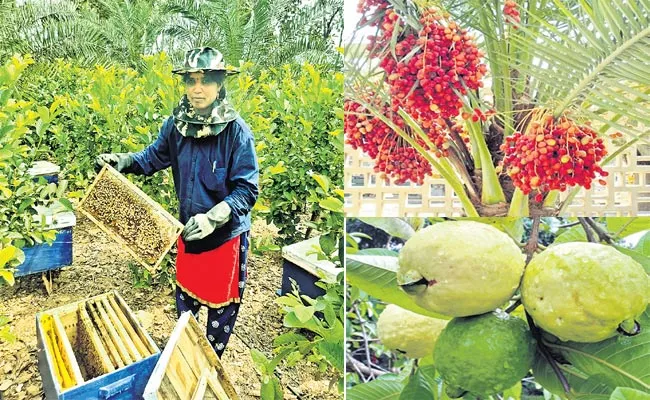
40	168
302	254
59	220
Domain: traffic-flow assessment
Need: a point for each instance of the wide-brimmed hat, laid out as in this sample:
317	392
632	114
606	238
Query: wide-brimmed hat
204	59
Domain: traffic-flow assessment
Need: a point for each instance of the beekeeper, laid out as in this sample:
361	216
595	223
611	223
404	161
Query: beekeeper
212	155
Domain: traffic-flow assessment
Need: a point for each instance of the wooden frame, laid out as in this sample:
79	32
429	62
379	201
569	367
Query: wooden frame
187	363
107	169
95	345
67	355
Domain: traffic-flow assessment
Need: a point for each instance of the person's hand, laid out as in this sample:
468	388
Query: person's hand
119	161
201	225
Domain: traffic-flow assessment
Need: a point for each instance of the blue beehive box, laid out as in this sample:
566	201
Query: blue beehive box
46	169
94	349
43	257
305	269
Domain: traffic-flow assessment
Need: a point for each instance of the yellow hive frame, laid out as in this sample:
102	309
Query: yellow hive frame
107	169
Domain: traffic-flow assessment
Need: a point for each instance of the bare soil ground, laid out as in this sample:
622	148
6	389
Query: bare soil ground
101	265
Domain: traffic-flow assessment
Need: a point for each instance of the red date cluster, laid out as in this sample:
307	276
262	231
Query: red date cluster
477	115
430	67
553	155
392	154
366	6
424	74
511	13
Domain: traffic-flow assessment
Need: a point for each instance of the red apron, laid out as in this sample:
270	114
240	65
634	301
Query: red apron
211	277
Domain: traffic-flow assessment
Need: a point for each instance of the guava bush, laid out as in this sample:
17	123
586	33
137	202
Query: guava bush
576	325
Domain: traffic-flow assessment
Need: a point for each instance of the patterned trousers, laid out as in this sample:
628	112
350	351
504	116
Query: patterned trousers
221	321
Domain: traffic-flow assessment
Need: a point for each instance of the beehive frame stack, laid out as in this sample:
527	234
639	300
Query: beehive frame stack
139	224
88	345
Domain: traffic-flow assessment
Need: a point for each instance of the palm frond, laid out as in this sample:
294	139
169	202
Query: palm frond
592	60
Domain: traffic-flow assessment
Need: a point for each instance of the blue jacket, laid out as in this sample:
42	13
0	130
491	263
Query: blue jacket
207	171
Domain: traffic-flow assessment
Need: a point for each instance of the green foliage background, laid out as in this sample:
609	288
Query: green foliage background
69	114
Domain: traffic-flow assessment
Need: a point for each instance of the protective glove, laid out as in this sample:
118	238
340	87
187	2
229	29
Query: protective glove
201	225
119	161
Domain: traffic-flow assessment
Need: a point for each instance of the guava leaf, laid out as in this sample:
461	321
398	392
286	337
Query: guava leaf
379	389
625	226
545	376
513	393
416	222
636	256
573	234
616	362
629	394
420	385
596	387
643	246
374	272
393	226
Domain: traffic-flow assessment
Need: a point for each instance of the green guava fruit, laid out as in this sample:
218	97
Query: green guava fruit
410	333
584	291
460	268
485	354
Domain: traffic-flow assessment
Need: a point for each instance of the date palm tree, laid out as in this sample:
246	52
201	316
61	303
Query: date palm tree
265	32
586	60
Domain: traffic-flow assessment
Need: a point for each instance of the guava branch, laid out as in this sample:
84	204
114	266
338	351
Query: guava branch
569	225
365	338
537	334
361	368
513	306
585	226
531	246
603	235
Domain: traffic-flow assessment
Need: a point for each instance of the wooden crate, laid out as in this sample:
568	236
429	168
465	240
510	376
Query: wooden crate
189	368
94	349
111	212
